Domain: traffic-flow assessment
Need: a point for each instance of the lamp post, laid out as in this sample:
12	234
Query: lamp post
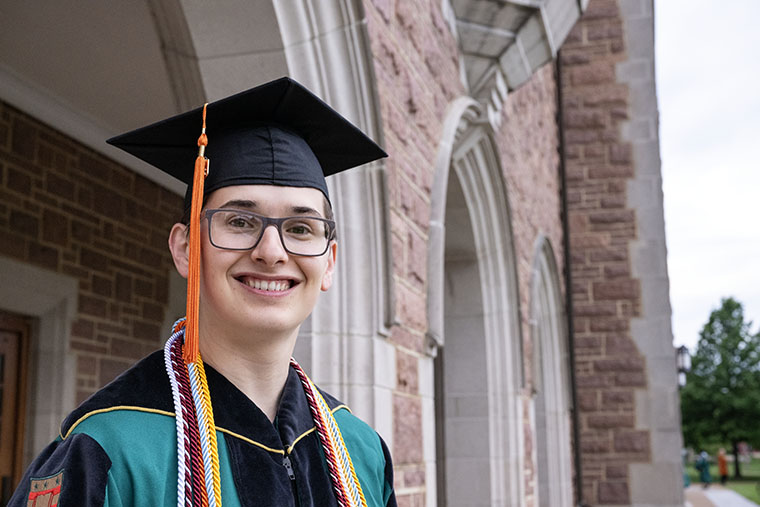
683	364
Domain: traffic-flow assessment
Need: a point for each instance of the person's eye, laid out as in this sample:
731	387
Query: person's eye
240	222
299	229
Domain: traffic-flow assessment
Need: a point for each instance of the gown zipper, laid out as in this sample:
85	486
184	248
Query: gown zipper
291	474
288	467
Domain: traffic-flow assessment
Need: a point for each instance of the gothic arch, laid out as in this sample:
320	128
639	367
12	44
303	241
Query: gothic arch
551	381
473	320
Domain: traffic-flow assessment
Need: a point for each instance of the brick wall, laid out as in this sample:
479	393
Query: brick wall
416	66
415	63
529	149
66	208
606	297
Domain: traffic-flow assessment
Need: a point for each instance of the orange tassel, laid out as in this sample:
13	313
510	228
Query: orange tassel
190	350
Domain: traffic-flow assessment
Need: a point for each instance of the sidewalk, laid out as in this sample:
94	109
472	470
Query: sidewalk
714	496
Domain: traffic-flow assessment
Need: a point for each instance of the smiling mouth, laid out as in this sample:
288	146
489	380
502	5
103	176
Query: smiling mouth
267	285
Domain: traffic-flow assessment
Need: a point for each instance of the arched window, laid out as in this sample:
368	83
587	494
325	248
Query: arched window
551	380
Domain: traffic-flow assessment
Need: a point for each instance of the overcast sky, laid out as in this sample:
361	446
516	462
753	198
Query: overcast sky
708	87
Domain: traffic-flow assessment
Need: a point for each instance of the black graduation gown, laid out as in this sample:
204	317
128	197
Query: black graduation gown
119	449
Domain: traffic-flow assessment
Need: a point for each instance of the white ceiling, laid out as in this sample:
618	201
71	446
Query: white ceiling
100	58
90	68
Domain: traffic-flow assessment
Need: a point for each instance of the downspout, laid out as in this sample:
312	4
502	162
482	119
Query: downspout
568	282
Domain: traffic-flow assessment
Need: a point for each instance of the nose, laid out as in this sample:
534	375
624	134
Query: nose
270	249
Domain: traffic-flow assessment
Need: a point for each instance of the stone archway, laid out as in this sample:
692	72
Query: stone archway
474	321
552	397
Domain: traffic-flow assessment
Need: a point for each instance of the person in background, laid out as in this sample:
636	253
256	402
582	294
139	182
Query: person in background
722	466
703	467
684	464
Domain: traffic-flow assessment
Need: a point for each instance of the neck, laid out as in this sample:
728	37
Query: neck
258	367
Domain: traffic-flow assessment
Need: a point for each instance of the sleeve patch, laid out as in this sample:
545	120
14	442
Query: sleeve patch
45	491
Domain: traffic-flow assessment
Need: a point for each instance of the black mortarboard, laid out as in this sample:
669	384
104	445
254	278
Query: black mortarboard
278	133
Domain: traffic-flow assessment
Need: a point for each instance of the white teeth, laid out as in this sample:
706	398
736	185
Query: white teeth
267	286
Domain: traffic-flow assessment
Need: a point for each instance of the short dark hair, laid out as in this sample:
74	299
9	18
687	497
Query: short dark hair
328	208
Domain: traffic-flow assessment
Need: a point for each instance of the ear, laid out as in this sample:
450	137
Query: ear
332	255
179	247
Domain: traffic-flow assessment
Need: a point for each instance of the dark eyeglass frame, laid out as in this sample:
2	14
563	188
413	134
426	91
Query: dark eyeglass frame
266	222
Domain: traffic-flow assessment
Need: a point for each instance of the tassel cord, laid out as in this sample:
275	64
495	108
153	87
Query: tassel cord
179	420
190	353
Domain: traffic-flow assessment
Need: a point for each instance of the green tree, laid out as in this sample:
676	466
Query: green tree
720	403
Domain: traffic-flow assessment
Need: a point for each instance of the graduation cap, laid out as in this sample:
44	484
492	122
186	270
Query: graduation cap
278	133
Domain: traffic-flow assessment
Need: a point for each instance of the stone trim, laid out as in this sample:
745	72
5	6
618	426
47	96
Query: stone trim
51	299
552	396
179	52
657	408
462	113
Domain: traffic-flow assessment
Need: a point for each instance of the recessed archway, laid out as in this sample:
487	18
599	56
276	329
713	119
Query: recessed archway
462	431
474	321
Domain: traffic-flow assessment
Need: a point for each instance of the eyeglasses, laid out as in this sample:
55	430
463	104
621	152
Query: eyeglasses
232	229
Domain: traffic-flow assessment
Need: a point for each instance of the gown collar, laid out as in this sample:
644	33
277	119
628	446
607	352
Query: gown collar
145	386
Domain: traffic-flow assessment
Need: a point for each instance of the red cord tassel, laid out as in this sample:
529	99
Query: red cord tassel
190	351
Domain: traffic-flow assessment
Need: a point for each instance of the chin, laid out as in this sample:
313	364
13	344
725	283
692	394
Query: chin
268	321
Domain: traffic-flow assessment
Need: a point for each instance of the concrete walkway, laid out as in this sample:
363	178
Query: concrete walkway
714	496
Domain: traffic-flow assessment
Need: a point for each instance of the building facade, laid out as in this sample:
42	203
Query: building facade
501	311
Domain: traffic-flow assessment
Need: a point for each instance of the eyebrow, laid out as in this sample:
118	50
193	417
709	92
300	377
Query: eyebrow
253	205
240	203
305	210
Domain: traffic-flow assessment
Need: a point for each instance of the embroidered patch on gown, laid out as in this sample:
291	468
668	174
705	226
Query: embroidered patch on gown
45	491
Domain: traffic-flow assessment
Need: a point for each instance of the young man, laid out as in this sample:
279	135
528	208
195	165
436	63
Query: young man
243	425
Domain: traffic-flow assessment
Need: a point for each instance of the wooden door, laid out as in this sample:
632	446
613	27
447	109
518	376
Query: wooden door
14	344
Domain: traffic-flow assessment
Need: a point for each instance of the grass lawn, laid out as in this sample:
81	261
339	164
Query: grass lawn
746	489
747	486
